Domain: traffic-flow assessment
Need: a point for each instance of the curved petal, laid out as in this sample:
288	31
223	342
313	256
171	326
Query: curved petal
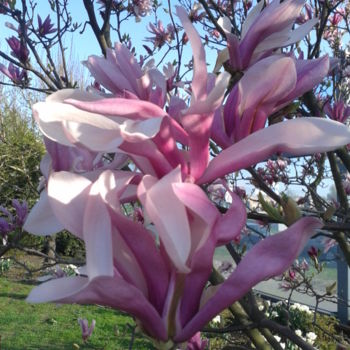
97	232
226	228
230	225
61	95
199	81
269	258
108	291
251	18
169	216
68	195
309	74
41	220
68	125
267	81
201	208
133	109
143	245
295	137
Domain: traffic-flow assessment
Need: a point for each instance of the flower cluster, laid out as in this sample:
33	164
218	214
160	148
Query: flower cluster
161	35
19	49
18	76
9	221
274	171
150	230
46	27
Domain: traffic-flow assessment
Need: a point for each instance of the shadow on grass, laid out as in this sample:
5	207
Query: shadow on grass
29	282
49	347
17	296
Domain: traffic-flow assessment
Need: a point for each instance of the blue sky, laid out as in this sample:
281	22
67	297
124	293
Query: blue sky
85	44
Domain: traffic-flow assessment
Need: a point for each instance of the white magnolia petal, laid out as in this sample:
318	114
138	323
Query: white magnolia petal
41	219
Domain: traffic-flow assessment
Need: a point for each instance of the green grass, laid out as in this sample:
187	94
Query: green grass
26	326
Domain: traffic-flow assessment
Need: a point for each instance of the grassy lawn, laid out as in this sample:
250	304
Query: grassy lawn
25	326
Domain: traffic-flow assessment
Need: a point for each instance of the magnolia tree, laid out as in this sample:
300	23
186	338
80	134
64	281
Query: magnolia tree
144	164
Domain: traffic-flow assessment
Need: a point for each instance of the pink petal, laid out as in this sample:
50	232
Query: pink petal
61	95
262	84
108	75
274	18
251	18
56	289
230	225
169	216
143	245
108	291
199	81
296	137
68	195
127	265
151	156
214	98
193	197
226	228
41	220
97	232
269	258
309	74
133	109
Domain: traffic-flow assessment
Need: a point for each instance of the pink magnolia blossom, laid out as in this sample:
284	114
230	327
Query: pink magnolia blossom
264	31
19	49
140	127
86	331
140	8
17	75
120	74
337	17
181	227
328	243
161	35
197	343
313	252
338	111
266	87
304	17
120	269
46	27
196	13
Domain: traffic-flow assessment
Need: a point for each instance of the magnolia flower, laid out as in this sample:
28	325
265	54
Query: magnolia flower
266	87
197	343
263	32
86	331
11	222
46	27
339	111
14	73
161	35
19	50
21	211
181	227
120	74
188	228
140	8
5	227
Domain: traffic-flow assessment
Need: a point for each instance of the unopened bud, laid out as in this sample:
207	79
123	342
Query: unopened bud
330	290
327	215
291	210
